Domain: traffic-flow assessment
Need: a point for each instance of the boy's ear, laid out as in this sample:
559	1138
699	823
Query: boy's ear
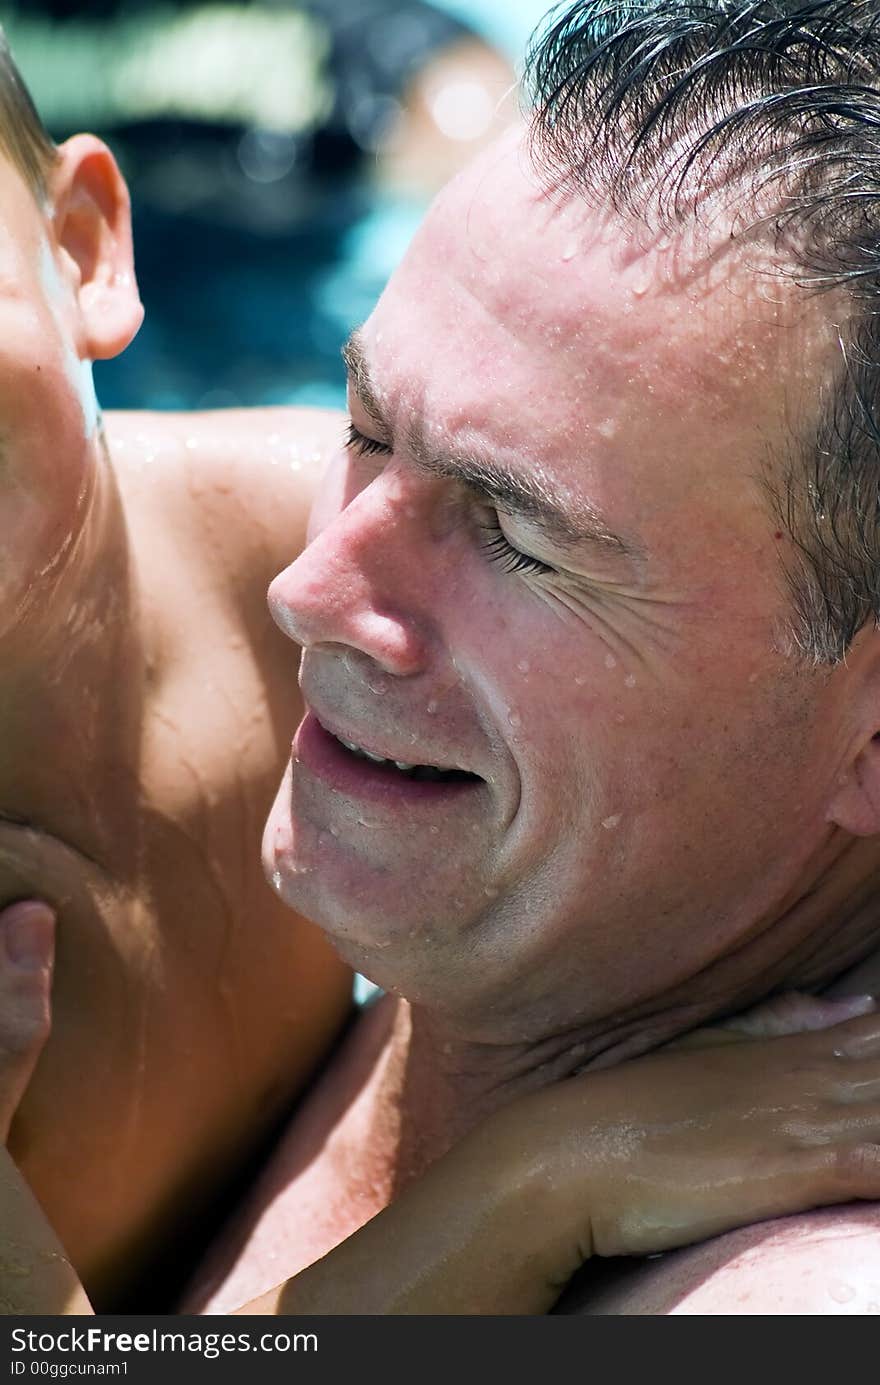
92	223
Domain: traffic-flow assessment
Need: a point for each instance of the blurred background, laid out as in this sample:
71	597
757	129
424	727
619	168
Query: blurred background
280	154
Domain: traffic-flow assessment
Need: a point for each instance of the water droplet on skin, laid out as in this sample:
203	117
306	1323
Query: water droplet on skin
840	1292
569	252
334	831
524	666
191	444
580	680
630	680
378	688
609	823
514	718
610	661
434	829
431	708
276	881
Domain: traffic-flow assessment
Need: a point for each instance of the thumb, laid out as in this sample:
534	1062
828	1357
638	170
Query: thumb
27	951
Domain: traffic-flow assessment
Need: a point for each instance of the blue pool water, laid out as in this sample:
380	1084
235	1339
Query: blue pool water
251	288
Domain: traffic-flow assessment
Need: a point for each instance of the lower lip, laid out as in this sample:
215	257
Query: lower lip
323	756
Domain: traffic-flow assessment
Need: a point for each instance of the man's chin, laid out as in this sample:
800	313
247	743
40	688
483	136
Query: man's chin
397	919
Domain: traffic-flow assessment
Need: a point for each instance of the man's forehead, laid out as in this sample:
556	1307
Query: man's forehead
555	300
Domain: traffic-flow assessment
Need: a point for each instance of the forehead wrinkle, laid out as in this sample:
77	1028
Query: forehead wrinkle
567	524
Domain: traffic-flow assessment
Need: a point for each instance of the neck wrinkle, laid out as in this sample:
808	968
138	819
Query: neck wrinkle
439	1084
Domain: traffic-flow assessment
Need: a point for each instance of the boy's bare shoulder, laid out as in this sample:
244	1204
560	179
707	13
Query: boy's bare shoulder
243	479
816	1263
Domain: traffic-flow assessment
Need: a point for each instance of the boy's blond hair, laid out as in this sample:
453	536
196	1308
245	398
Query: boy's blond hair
23	137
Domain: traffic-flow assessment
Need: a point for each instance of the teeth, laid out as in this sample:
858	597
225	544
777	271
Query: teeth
368	754
359	750
417	771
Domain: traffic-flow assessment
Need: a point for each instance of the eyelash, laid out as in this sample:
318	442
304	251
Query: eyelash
358	442
499	550
496	546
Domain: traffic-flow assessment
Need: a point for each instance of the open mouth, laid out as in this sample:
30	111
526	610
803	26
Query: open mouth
351	769
431	773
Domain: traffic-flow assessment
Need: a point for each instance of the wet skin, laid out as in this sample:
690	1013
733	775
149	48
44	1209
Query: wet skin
680	797
145	700
669	814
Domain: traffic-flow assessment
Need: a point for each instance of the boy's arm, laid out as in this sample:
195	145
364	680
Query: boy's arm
35	1274
610	1163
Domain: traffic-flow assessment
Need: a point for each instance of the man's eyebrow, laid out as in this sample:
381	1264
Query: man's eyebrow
356	365
527	495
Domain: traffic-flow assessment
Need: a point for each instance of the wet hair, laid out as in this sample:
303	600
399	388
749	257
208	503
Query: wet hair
650	106
23	137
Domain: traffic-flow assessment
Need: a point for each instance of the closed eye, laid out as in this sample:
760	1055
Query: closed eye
495	544
499	550
358	442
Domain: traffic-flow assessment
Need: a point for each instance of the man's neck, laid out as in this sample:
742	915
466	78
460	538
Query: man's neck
434	1084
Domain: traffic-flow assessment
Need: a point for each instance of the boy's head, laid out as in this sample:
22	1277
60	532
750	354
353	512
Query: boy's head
67	297
23	137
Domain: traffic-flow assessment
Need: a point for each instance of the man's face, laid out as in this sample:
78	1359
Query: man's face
553	567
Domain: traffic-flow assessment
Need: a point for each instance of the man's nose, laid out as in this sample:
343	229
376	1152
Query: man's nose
358	582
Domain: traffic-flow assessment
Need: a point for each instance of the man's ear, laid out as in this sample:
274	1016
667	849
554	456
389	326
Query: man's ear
855	803
92	223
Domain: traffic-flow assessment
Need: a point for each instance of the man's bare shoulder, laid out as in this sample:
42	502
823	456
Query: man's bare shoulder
821	1262
246	475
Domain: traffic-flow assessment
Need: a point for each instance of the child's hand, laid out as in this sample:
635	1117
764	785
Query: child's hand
728	1126
27	946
